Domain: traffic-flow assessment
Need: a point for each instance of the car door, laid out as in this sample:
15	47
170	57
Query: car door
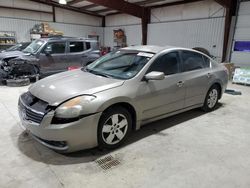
55	60
78	54
197	75
159	97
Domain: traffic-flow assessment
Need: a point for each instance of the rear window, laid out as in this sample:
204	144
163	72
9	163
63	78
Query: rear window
206	62
76	47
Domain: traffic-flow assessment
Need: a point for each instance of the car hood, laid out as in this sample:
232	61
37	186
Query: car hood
10	54
60	87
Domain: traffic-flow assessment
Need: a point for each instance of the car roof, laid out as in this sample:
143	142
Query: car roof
64	38
148	48
156	49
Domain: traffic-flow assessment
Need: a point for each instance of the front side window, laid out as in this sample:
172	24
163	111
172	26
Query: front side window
167	63
192	61
120	65
56	47
75	47
88	46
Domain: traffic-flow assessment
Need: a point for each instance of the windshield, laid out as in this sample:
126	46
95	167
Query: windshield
34	47
120	64
13	48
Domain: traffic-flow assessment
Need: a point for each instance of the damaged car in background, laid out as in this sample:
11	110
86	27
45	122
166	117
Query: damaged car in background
44	57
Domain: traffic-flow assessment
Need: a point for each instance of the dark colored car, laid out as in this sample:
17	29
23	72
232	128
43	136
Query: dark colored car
18	47
48	56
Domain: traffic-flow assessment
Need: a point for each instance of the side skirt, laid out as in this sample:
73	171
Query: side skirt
146	121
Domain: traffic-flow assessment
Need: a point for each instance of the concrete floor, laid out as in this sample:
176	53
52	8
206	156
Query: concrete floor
189	150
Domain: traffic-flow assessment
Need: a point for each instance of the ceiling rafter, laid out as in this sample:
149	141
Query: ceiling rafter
142	3
104	10
75	2
55	4
89	6
224	3
175	3
122	6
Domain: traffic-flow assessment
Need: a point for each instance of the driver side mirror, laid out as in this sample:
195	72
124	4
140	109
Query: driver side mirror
154	75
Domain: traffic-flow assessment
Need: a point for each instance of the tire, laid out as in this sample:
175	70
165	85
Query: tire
212	98
114	127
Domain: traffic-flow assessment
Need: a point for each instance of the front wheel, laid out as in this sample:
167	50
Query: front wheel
114	127
211	99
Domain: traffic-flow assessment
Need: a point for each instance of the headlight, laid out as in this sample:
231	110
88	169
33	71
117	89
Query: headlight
73	107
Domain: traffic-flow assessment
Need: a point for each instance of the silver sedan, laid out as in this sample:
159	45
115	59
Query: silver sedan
99	105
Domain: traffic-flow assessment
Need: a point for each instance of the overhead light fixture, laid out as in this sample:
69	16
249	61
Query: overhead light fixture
62	2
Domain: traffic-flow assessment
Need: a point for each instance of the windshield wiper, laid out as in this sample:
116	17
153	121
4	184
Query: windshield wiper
98	73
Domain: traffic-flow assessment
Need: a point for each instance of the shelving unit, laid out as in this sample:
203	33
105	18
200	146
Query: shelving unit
7	39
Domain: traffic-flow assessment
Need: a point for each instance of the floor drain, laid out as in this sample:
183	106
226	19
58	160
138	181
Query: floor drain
108	162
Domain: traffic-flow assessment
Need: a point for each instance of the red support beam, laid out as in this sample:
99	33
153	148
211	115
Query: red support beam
122	6
230	10
144	22
54	13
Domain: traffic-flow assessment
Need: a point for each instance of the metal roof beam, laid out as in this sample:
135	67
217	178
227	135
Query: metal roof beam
175	3
122	6
224	3
141	3
89	6
75	2
103	10
53	3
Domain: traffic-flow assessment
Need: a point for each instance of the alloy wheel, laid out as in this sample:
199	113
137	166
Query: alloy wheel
212	98
114	129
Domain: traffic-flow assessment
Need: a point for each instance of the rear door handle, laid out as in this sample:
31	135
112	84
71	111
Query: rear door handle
180	83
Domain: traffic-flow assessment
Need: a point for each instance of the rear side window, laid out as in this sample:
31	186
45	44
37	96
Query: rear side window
57	47
88	46
206	62
192	61
76	47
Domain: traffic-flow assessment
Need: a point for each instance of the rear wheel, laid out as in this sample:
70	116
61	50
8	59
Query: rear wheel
114	127
211	99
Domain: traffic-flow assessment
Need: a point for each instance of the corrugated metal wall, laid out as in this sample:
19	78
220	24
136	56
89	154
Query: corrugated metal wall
206	33
242	33
133	34
22	28
199	24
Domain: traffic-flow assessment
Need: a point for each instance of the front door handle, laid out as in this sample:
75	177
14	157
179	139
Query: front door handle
209	75
180	84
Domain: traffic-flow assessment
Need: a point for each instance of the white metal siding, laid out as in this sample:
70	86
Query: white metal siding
206	33
62	15
22	28
132	32
66	16
122	19
199	24
242	33
203	9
